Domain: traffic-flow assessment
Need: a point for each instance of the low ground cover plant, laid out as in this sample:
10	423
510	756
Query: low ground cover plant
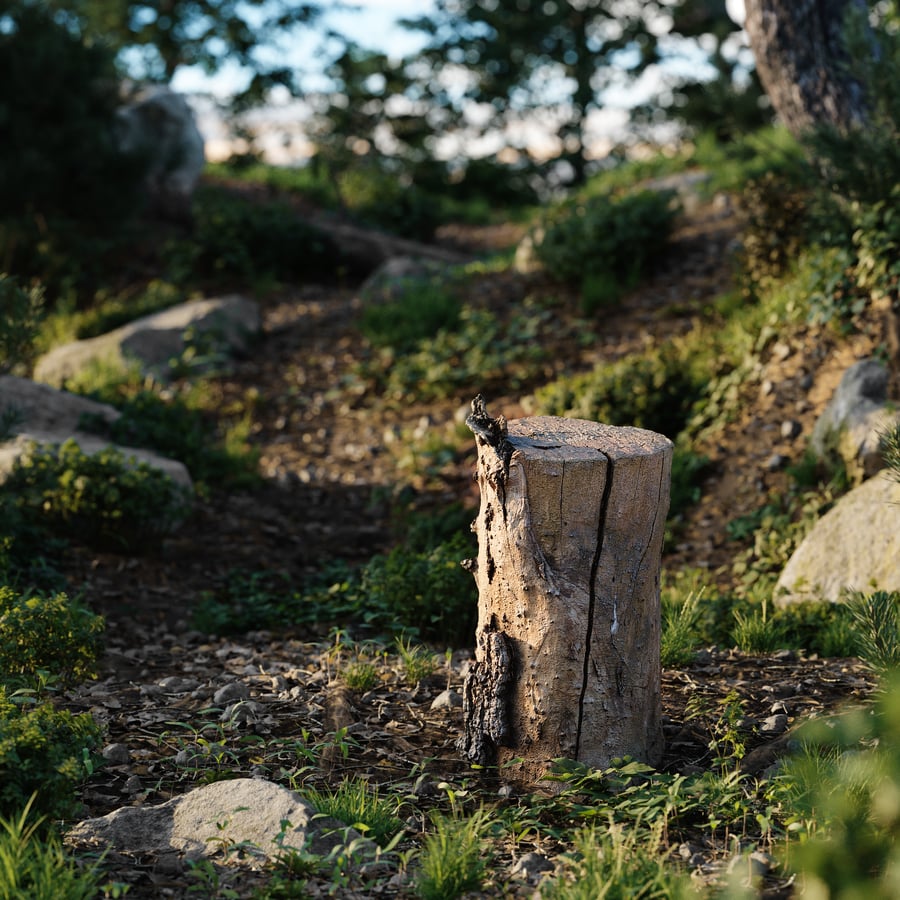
47	633
238	241
34	864
605	244
103	499
45	755
186	425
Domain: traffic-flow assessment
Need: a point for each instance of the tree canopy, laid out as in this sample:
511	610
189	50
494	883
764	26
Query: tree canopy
153	39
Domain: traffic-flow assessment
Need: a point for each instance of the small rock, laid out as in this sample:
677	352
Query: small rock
766	388
447	700
133	785
529	867
237	690
776	461
755	865
778	708
244	711
176	684
775	724
790	429
781	351
116	754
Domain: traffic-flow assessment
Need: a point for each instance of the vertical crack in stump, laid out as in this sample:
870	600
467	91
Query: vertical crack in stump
592	599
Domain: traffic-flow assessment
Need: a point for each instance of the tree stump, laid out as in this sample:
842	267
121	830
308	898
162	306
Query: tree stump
570	533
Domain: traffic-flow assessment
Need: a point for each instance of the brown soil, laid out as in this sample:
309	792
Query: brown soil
330	461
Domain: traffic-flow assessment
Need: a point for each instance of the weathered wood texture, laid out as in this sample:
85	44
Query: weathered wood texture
570	533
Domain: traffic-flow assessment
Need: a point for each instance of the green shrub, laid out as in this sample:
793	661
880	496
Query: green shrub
19	322
876	621
617	863
177	430
834	296
425	594
357	803
55	633
65	189
388	200
890	450
839	794
655	389
419	312
775	226
688	469
876	242
480	350
453	859
102	500
238	240
819	627
44	752
679	638
775	530
33	863
606	244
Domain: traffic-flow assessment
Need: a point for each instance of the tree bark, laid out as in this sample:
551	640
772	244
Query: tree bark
570	533
801	60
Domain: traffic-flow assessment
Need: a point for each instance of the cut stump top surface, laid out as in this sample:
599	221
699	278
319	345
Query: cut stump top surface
549	436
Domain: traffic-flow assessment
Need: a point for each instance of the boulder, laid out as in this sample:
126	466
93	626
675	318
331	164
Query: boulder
396	275
216	325
526	260
159	125
262	817
39	413
854	546
855	419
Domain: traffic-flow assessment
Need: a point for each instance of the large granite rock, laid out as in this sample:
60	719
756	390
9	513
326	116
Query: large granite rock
262	817
854	546
855	419
39	413
159	124
224	324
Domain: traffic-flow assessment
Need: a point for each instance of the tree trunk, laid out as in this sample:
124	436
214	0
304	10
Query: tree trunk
801	60
570	535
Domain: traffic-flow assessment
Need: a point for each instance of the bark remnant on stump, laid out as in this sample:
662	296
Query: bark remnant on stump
570	533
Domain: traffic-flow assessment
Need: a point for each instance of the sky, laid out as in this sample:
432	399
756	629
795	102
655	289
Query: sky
373	24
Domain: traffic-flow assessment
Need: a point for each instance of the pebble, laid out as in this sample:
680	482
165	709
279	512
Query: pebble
776	461
244	711
775	724
756	864
781	351
133	785
529	867
237	690
790	429
116	754
447	700
176	684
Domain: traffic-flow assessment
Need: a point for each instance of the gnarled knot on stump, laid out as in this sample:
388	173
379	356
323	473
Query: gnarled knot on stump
490	431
